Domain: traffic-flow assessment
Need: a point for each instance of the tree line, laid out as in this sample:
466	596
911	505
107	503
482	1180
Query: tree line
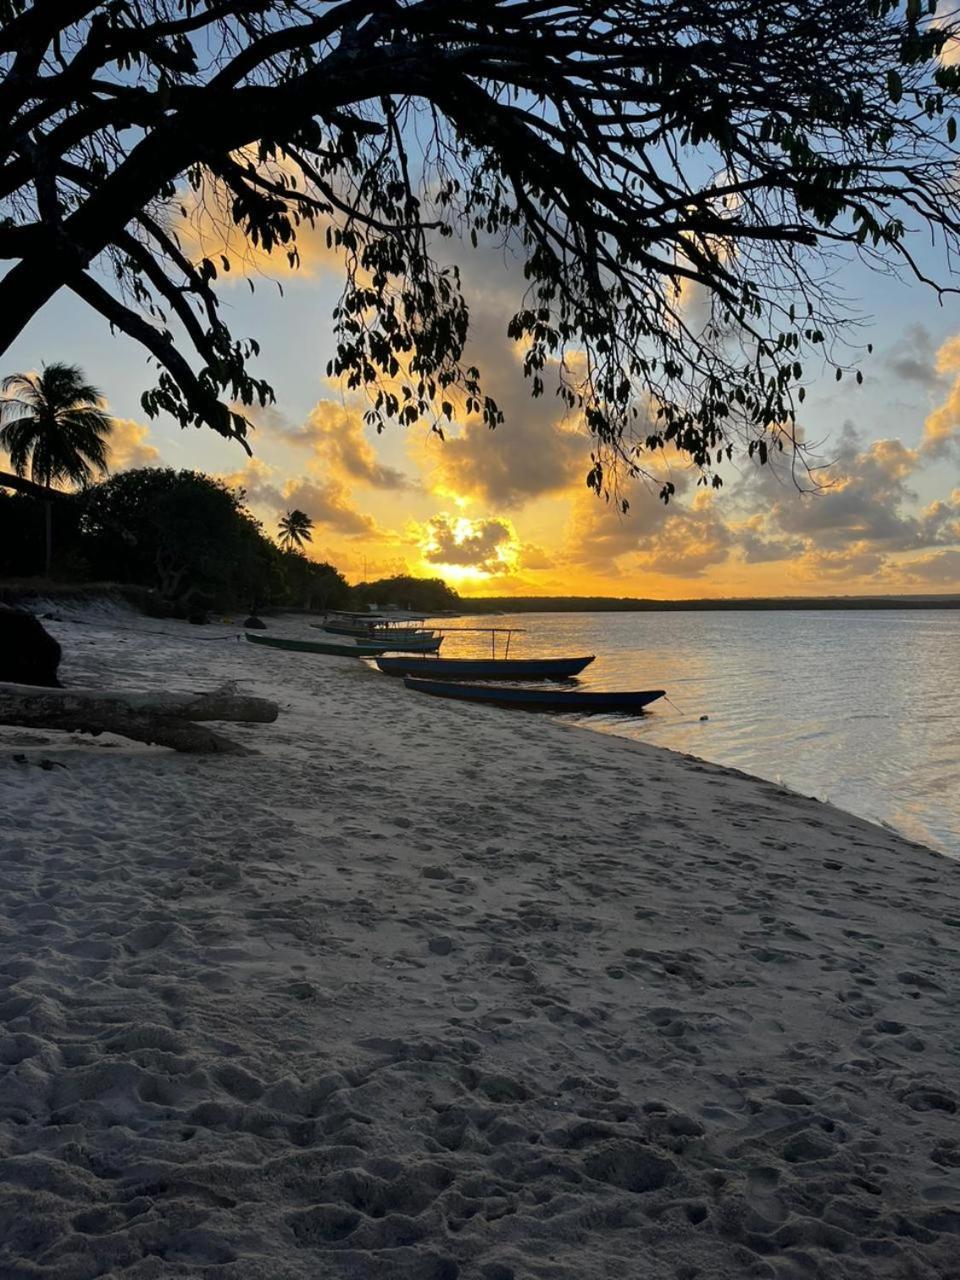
182	534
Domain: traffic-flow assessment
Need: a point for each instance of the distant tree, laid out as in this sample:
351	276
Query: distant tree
55	426
182	532
425	595
634	153
296	528
311	584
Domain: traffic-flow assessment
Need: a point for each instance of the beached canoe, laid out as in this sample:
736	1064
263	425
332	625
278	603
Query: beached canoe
329	647
582	700
485	668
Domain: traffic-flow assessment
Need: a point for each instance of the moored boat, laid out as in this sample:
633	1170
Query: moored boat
378	634
373	626
347	649
319	646
583	700
485	668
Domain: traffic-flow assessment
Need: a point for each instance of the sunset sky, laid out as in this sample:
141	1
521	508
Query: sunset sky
507	512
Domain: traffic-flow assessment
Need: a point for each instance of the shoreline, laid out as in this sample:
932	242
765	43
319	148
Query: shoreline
423	990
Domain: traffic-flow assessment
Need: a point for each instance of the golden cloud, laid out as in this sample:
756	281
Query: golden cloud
942	425
130	447
335	432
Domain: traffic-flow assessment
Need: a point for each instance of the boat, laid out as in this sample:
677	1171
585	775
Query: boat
378	633
360	649
583	700
485	668
375	626
319	646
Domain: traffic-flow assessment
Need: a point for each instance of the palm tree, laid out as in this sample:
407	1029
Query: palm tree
295	529
54	423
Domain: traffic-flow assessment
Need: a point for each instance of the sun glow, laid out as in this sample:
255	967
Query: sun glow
469	550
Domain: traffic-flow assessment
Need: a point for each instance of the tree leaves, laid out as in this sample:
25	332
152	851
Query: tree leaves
662	176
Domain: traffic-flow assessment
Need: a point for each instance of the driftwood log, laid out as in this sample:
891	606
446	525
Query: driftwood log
168	719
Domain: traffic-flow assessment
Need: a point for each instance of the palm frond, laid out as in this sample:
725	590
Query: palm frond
16	438
61	429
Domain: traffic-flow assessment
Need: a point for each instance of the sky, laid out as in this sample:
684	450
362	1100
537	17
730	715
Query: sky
507	512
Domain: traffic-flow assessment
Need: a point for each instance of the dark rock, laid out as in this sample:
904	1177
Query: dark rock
255	623
28	653
199	617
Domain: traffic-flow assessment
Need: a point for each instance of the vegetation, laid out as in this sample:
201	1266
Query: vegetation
629	154
296	528
54	426
181	534
421	595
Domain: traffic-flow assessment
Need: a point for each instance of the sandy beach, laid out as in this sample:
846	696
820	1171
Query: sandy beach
423	991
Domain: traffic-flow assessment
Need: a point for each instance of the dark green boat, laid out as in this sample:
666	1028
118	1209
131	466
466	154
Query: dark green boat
329	647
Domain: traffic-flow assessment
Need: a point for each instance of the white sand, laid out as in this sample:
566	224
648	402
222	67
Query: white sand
425	991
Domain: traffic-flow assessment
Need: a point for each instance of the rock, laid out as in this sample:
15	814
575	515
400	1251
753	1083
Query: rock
199	617
255	623
28	653
440	946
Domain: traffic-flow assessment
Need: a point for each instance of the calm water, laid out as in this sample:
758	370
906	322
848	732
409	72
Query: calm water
861	709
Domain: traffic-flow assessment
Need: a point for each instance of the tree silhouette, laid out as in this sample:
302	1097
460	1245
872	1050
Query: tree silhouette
628	154
54	426
295	529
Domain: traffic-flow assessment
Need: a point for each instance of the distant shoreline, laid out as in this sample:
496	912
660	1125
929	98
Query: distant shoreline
627	604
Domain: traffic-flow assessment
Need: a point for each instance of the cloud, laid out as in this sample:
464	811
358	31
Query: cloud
256	479
335	433
487	545
681	539
689	540
534	557
914	358
858	560
538	449
942	568
130	447
756	546
866	499
328	503
941	426
856	527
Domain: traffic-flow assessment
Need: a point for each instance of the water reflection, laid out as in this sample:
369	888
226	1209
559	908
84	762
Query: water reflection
861	708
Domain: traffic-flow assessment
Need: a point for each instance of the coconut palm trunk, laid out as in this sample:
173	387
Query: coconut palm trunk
48	537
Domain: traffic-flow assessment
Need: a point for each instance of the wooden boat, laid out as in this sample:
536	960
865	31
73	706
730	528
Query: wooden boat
378	635
374	626
319	646
485	668
583	700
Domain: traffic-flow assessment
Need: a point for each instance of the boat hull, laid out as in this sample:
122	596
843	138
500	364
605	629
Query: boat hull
329	647
485	668
538	699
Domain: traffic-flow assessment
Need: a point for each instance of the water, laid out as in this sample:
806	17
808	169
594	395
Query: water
861	709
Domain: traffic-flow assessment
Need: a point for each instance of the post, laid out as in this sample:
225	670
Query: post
48	510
